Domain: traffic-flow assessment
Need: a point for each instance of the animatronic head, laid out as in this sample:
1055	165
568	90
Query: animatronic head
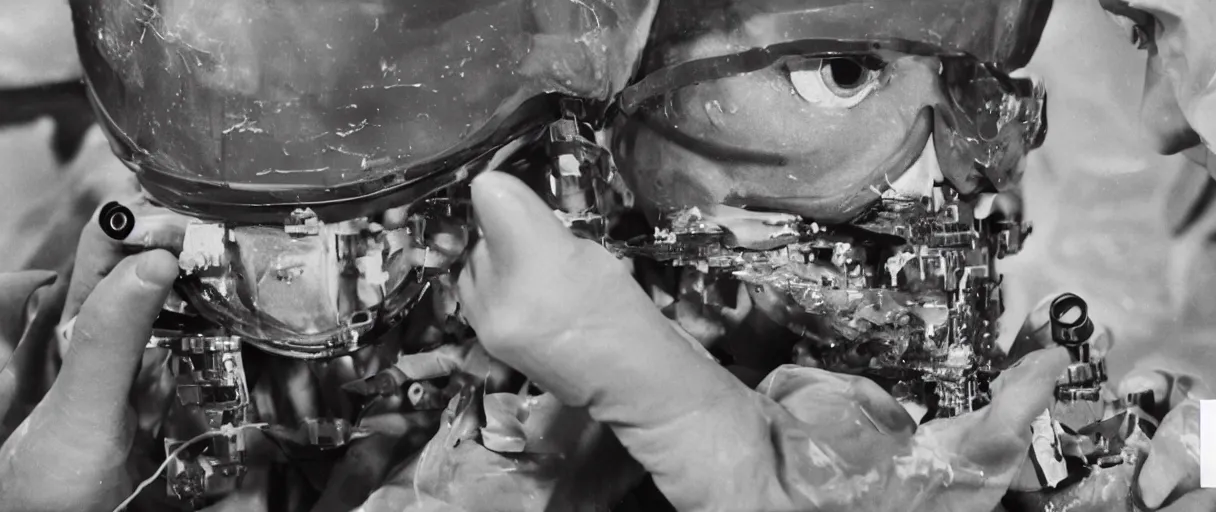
840	157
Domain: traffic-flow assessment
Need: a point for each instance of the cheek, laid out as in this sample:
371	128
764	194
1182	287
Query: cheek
1163	122
661	173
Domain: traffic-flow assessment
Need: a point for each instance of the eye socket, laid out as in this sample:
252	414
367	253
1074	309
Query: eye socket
1140	29
1140	37
841	82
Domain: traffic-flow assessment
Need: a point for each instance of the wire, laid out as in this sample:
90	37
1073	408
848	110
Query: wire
173	455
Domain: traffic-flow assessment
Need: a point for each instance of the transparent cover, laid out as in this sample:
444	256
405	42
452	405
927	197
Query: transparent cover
248	109
1002	32
808	107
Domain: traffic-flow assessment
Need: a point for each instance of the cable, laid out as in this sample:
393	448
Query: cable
173	455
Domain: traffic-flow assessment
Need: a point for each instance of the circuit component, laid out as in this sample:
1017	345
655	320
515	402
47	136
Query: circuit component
911	286
211	397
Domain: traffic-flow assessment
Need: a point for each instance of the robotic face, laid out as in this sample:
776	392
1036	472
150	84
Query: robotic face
322	143
832	155
792	134
827	127
842	95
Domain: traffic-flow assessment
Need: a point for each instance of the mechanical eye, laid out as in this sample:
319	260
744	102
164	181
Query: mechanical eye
1140	37
1139	29
836	82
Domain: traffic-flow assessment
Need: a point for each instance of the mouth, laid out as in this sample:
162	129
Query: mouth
907	168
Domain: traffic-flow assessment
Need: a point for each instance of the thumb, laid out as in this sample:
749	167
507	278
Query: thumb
1024	390
1035	332
114	326
513	219
1020	394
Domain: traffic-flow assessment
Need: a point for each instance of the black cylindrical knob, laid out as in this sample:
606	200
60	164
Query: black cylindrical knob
117	221
1071	332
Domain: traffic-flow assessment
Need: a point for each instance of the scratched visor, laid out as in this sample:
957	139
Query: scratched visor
983	127
986	124
244	110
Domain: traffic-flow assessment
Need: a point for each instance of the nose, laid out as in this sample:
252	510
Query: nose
1162	123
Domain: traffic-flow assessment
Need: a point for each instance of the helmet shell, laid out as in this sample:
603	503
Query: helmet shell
248	109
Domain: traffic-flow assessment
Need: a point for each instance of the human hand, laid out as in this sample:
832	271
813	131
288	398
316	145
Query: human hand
1167	473
1169	477
504	452
566	313
69	453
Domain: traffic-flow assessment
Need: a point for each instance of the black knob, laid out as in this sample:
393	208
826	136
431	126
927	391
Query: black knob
1070	332
117	221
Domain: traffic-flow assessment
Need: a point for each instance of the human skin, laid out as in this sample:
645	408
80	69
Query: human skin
1178	111
70	452
1177	115
568	314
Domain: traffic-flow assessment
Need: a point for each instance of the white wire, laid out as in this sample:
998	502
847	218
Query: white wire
173	455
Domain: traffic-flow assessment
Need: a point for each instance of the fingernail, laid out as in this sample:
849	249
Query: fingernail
158	268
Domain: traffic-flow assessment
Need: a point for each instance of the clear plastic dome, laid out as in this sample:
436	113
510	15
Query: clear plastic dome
248	109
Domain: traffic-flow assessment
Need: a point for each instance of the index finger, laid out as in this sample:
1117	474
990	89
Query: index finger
512	216
98	253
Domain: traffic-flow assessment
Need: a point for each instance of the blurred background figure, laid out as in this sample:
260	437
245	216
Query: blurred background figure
55	166
1097	191
36	44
